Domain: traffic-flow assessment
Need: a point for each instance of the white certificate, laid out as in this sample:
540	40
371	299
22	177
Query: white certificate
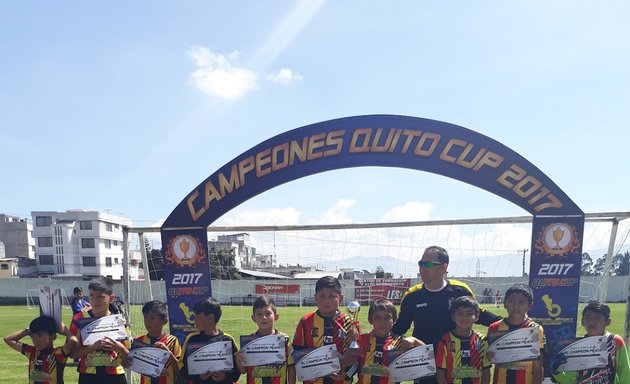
213	357
50	302
412	364
519	345
264	350
583	354
314	363
112	326
149	361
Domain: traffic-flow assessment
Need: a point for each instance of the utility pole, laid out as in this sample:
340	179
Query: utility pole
524	253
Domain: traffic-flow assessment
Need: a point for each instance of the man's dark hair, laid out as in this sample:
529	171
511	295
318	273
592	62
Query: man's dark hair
328	282
43	323
464	302
382	305
209	306
597	307
102	284
262	302
156	307
77	290
441	253
523	289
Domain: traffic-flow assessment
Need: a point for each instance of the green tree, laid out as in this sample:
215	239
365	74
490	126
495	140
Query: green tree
598	268
620	264
222	264
587	265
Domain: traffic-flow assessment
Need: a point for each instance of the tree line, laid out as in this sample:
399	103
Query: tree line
619	265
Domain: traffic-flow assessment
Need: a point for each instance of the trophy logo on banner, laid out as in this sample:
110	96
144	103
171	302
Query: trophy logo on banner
558	239
184	250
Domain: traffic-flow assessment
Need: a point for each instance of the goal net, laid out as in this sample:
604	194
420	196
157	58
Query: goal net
375	261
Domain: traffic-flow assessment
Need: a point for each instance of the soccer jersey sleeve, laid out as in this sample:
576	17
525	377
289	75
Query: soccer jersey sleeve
441	355
622	369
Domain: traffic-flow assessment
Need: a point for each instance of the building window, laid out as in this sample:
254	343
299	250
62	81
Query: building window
43	221
46	260
115	260
108	244
44	241
115	243
85	224
89	261
87	243
116	226
108	227
108	261
4	267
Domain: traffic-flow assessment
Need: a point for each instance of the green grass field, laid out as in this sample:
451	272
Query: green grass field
235	321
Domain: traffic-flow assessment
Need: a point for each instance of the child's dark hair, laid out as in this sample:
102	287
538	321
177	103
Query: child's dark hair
382	305
156	307
77	290
102	284
523	289
328	282
464	302
43	323
262	302
209	306
597	307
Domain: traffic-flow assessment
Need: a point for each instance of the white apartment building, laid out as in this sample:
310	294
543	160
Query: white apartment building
17	235
80	243
246	256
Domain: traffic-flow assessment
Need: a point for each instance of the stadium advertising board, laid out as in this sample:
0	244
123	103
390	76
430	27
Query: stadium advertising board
366	290
277	289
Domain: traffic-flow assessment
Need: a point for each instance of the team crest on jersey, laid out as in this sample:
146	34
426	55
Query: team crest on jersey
451	346
465	353
314	332
378	354
328	340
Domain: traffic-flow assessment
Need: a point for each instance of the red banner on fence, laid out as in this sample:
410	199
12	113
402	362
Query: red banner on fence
274	289
366	290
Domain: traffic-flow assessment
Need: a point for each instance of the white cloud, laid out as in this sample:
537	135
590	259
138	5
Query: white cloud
284	76
411	211
338	213
218	76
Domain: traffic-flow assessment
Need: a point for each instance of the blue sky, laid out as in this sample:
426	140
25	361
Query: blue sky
127	106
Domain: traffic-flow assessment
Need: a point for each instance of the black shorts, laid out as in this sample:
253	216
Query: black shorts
87	378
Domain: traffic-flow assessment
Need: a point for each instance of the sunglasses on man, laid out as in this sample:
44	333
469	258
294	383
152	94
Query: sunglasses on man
428	264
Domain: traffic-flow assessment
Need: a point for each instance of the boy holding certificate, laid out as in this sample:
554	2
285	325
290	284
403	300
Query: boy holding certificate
326	326
518	300
382	315
462	352
265	315
45	362
207	315
101	361
595	319
155	316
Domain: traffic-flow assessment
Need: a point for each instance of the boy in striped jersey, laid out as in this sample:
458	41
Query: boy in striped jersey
462	353
155	316
519	299
382	315
45	362
265	315
326	326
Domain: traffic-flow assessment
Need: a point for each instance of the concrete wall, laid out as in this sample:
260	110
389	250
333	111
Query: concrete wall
15	290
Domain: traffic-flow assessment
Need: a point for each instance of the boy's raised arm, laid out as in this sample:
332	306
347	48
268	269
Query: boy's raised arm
13	339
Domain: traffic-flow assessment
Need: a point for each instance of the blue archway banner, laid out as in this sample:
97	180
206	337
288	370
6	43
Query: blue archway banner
389	141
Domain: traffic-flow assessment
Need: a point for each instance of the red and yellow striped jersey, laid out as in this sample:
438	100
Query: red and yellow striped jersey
45	366
463	359
314	330
372	363
521	372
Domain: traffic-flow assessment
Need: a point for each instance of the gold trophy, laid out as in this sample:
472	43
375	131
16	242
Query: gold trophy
354	307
